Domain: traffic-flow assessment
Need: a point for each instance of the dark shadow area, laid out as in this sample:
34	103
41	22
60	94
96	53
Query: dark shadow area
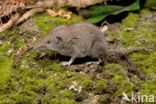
120	2
62	58
5	19
115	18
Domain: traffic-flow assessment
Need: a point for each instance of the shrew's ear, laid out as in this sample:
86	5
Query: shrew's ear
59	38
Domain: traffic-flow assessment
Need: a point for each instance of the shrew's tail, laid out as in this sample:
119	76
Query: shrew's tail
119	56
124	51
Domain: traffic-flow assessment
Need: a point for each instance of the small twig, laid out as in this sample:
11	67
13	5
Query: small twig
29	14
40	4
63	3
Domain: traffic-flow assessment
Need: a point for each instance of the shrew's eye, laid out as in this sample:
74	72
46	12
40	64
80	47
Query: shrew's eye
48	42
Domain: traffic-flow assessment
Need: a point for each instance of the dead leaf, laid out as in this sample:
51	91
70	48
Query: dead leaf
60	13
51	12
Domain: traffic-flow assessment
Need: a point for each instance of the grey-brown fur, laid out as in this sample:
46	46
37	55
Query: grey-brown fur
78	40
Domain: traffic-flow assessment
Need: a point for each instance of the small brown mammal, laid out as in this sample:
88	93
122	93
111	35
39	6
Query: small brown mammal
78	40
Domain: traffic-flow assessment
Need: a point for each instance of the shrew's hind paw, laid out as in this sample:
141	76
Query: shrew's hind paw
95	62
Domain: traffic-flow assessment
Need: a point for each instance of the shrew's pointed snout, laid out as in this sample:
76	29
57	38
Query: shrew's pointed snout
39	46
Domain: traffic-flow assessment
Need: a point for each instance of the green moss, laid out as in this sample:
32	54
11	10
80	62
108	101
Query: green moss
4	48
67	94
146	11
145	38
5	66
119	78
114	69
130	21
61	101
86	83
18	98
141	36
100	85
150	3
44	80
104	98
8	33
145	62
46	22
57	90
123	85
148	88
57	67
4	99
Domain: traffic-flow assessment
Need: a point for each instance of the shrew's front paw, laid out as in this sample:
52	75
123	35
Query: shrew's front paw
66	63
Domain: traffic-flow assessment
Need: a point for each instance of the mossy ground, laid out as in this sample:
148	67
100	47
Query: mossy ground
46	81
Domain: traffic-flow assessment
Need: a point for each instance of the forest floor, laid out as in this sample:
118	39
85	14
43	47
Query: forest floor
37	77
